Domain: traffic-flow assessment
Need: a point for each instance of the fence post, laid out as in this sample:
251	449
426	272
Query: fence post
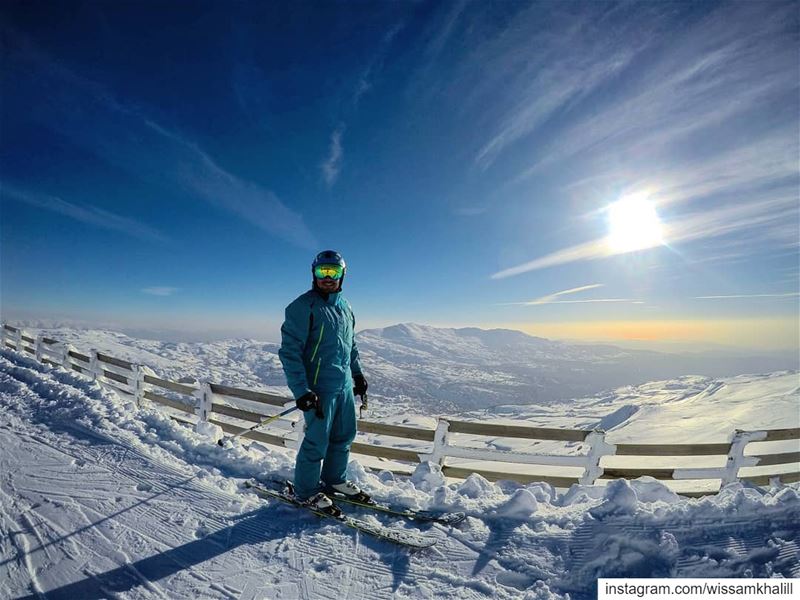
66	359
18	339
204	397
94	366
736	457
598	448
439	451
138	384
38	346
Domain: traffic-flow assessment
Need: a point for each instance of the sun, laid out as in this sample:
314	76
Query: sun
633	225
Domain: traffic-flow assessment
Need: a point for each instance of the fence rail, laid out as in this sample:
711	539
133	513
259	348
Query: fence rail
264	398
212	402
518	431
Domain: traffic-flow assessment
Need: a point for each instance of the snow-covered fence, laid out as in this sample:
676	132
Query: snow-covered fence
216	404
228	394
188	406
443	448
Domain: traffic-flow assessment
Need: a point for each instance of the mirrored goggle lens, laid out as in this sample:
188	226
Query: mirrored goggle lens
332	271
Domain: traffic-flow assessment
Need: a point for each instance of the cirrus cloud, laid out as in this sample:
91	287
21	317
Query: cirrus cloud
160	291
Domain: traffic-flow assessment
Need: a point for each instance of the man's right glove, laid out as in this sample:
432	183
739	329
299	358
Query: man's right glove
307	401
359	385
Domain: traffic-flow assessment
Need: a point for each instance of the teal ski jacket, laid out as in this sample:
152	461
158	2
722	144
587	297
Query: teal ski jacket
318	345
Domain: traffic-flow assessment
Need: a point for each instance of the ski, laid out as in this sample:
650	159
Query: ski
422	516
410	539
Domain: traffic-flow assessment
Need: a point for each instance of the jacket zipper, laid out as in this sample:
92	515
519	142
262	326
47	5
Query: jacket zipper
319	361
321	331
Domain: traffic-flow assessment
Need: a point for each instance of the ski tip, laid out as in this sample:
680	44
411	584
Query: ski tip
455	518
423	544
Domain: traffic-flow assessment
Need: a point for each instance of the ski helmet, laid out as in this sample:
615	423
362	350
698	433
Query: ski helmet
329	257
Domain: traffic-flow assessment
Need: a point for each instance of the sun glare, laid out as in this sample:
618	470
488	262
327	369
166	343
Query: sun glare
633	225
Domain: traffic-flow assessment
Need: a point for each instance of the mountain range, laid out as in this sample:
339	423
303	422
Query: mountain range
433	370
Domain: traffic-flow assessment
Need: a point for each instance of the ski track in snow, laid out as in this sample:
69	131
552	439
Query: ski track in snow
98	500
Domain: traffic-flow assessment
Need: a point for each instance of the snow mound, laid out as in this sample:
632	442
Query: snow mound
619	499
428	476
521	505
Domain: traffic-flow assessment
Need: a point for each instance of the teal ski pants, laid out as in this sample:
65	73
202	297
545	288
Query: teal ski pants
325	450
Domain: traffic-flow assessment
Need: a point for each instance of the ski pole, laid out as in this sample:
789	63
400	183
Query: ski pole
363	406
260	424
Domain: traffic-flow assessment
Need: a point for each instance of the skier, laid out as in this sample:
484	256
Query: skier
320	359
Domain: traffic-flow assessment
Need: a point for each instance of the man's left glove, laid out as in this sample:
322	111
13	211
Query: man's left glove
359	385
307	401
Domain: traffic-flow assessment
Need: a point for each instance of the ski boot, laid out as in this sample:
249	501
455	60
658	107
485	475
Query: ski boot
351	491
321	503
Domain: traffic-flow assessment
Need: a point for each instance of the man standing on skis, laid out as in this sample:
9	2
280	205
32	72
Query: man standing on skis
320	359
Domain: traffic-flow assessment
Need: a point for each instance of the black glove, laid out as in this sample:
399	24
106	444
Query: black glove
307	401
360	387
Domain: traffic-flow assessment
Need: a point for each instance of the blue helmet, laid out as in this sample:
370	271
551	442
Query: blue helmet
328	257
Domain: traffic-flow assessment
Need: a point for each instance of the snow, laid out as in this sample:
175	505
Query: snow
99	498
427	476
209	430
521	505
619	499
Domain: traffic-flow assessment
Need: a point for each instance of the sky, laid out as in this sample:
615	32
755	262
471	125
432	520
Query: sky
576	170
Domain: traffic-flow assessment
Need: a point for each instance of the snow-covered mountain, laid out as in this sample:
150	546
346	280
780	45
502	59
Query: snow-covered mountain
449	370
430	370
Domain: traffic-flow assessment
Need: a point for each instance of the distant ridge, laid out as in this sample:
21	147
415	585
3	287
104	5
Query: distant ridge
435	370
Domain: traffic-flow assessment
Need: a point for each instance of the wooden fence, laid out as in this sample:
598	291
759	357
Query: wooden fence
211	402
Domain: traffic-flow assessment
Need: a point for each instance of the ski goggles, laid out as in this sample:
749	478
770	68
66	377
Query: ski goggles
332	271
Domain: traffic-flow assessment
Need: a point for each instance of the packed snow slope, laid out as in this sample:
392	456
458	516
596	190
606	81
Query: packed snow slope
430	370
100	499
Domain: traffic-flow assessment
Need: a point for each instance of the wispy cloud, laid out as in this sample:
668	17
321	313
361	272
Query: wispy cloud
558	72
764	160
374	67
552	297
555	298
773	219
261	207
594	300
690	89
724	170
760	161
587	251
127	136
470	211
333	164
85	213
439	33
544	61
752	187
740	296
160	291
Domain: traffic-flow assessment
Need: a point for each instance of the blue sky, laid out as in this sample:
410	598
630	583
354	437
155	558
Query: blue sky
175	167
